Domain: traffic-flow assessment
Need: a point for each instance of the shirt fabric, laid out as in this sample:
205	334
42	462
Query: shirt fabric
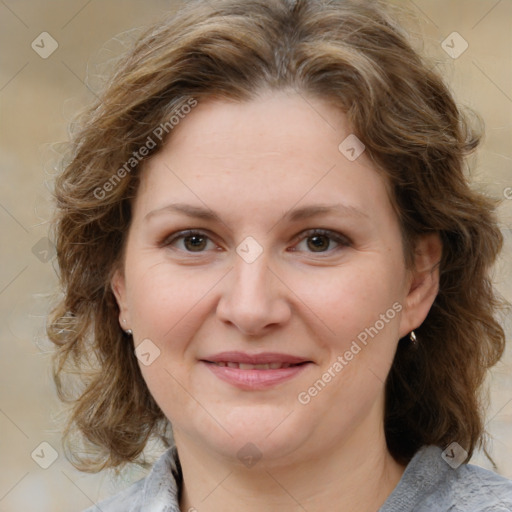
429	484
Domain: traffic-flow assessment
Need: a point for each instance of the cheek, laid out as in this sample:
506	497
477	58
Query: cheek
170	306
359	309
164	298
348	300
167	305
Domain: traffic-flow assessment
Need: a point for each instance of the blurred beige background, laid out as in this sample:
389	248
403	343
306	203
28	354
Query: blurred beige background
39	97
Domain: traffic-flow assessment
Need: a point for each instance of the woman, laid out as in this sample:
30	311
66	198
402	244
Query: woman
267	243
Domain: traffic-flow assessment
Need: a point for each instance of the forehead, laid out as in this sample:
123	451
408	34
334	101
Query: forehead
281	148
273	123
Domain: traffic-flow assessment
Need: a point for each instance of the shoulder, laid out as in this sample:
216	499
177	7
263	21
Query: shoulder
125	501
430	483
478	489
158	491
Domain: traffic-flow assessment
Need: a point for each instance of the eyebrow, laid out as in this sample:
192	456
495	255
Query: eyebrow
294	215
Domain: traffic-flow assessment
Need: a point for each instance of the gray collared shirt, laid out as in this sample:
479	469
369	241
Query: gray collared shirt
428	484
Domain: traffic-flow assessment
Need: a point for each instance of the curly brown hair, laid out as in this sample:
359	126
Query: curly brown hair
353	54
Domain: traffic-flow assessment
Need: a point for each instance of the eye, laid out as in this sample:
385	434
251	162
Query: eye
320	240
192	241
316	240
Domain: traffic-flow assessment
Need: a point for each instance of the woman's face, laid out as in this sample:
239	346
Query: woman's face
295	263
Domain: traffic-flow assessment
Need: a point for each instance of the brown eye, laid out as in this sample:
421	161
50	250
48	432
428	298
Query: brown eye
322	241
318	243
195	243
191	241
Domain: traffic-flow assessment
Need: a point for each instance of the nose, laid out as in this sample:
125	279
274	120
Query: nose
254	298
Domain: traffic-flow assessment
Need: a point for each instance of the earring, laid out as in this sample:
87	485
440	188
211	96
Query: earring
413	338
127	331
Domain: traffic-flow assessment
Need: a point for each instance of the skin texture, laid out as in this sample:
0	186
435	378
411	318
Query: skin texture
252	163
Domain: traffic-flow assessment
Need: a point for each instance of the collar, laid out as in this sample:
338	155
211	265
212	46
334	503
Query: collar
161	492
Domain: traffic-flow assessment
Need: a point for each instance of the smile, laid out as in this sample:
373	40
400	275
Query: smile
254	377
247	366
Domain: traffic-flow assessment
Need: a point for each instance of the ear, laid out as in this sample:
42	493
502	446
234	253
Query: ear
118	285
423	283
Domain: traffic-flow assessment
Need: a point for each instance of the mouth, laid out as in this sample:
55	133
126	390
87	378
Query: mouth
262	361
255	371
247	366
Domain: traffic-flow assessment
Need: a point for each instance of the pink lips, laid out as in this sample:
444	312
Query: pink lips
270	368
263	358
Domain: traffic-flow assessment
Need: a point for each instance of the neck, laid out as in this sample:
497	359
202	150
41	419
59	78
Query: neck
354	476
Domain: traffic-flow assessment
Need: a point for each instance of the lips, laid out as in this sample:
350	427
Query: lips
246	366
263	361
255	371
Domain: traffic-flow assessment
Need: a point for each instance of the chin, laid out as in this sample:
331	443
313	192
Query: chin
253	439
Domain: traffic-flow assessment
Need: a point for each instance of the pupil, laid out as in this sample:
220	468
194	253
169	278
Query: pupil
317	242
195	241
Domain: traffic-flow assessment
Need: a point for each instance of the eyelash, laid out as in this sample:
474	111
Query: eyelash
343	241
